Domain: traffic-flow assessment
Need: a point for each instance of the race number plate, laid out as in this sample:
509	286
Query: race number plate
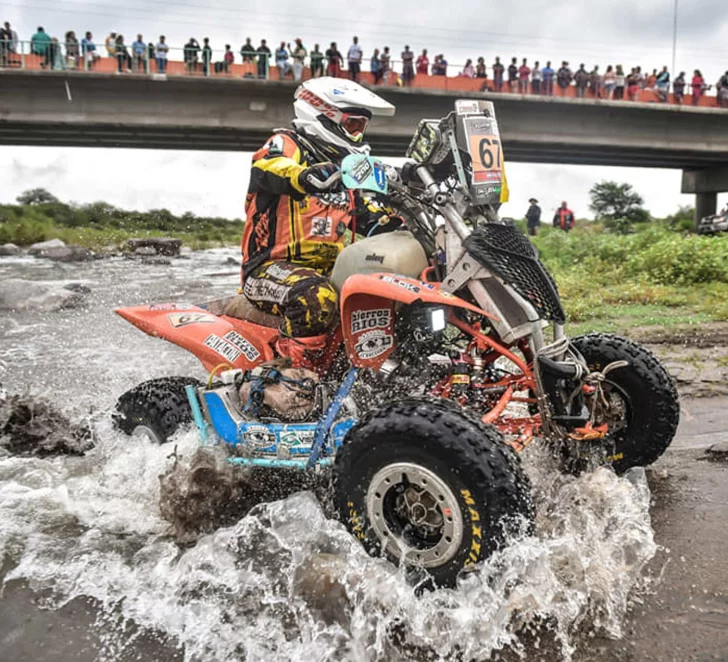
485	150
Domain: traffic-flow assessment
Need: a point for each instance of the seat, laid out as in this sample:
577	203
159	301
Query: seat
240	307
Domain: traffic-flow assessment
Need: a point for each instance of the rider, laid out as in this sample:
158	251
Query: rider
297	212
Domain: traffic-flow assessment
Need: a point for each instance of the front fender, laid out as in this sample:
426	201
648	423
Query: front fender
367	312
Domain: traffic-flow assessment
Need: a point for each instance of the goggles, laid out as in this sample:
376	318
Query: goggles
354	125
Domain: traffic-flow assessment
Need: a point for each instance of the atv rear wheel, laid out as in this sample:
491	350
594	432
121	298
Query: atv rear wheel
425	485
156	408
643	403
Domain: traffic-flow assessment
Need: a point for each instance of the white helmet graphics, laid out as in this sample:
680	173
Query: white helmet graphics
334	113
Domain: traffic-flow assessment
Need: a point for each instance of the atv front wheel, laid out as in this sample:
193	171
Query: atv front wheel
425	485
156	408
642	402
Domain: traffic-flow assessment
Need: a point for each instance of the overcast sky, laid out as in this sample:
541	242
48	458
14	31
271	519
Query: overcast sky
595	32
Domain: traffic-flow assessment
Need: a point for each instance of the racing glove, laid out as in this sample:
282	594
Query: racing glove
320	178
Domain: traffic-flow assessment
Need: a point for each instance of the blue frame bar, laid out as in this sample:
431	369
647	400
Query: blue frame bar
197	412
275	463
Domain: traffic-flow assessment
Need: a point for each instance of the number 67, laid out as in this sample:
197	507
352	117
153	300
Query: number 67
486	148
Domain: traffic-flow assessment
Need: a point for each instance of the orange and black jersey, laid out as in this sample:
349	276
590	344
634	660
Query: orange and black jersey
284	223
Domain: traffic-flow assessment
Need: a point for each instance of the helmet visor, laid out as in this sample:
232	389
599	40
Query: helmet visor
354	126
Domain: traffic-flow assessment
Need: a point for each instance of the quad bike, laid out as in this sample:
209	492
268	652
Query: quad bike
437	375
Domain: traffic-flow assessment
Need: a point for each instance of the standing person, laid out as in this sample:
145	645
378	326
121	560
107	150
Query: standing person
468	70
4	46
408	70
317	62
698	85
247	51
72	51
524	71
263	54
662	85
88	51
619	81
110	44
123	59
385	59
282	63
651	80
533	217
610	81
548	79
423	62
139	54
581	77
11	40
162	51
206	56
151	55
536	77
595	82
335	61
299	59
353	57
58	63
191	50
633	84
678	87
443	65
480	70
498	70
228	59
564	218
40	44
513	75
375	66
564	77
722	91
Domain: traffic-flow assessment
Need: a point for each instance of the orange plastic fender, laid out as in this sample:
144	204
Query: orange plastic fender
367	312
213	339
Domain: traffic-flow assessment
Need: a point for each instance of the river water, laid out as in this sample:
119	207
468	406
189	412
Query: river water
284	583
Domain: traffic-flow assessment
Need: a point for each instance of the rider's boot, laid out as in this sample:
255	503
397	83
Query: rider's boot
304	352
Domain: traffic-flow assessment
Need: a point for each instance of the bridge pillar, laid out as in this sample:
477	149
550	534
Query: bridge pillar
706	183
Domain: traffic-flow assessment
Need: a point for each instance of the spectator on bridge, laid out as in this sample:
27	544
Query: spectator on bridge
581	78
564	218
596	82
698	85
722	91
162	52
284	66
651	80
423	62
40	44
385	59
123	59
536	78
480	70
247	51
72	50
533	217
408	70
619	82
375	66
4	46
88	51
151	55
564	77
228	59
10	38
191	52
110	44
57	60
633	84
662	85
439	66
678	87
334	61
637	78
299	59
317	62
353	58
548	74
513	75
610	81
498	70
139	54
263	54
206	56
524	71
468	70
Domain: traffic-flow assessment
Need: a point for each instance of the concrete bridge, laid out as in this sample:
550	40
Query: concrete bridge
139	111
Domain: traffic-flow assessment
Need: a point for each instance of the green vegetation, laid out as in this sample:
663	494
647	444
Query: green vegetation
618	206
100	226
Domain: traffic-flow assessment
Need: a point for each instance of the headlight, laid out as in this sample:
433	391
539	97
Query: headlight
437	319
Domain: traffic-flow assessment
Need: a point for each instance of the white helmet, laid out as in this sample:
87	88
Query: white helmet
334	113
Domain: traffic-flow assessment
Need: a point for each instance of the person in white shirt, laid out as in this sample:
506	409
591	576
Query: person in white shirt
162	50
354	57
536	78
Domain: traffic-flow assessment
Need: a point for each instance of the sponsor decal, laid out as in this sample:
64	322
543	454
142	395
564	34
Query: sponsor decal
224	349
373	343
170	306
318	103
337	92
361	170
265	290
338	200
294	438
410	287
258	437
245	346
373	257
380	177
466	107
275	146
277	271
321	226
364	320
178	320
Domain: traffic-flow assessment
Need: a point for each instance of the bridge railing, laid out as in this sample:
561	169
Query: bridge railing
56	56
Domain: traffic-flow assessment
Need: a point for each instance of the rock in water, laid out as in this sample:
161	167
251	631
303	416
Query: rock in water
718	451
17	294
161	245
7	250
45	245
70	253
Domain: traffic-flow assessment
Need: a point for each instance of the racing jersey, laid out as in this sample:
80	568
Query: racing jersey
284	223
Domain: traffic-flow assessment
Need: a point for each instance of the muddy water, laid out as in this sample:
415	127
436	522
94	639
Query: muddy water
284	583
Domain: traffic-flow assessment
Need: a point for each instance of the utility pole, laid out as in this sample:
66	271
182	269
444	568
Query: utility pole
674	40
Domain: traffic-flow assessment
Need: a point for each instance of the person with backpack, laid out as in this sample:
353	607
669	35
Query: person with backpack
564	77
564	218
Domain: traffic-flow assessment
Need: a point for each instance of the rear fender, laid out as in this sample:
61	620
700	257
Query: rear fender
368	309
213	339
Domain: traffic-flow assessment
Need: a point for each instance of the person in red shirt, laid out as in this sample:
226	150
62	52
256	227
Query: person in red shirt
524	72
698	85
564	218
423	62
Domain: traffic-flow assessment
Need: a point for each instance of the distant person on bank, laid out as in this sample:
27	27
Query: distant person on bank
564	218
533	217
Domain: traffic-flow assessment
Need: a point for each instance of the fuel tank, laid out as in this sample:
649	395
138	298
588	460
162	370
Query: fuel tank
394	252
